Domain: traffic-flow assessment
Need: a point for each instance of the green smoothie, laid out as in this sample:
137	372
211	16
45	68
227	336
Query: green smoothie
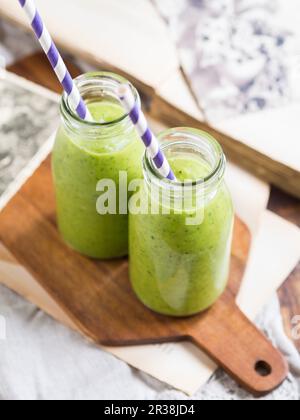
80	160
177	269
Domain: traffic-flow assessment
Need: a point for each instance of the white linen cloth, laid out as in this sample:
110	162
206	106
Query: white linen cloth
42	360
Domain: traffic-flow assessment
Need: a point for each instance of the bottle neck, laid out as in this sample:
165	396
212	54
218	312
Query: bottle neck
96	88
191	144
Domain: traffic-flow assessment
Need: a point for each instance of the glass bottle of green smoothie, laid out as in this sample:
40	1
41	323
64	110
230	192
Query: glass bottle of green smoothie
86	153
180	246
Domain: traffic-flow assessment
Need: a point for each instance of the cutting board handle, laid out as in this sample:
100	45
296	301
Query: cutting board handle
242	351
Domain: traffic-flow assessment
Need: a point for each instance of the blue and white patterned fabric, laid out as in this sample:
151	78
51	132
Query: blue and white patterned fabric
235	54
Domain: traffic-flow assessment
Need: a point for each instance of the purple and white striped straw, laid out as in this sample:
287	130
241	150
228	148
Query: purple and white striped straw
76	102
150	141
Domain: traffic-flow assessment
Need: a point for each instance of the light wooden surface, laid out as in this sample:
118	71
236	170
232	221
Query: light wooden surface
130	38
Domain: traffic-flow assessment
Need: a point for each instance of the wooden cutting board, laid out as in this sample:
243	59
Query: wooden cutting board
98	298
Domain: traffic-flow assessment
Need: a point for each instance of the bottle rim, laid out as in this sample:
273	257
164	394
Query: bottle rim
107	84
198	140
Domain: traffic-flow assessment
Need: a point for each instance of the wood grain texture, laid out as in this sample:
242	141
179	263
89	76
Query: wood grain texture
98	298
107	295
256	162
289	294
37	69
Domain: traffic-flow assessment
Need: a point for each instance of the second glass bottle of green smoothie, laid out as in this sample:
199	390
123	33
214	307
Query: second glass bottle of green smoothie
85	153
180	243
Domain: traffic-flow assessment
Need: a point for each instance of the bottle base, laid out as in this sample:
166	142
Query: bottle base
179	315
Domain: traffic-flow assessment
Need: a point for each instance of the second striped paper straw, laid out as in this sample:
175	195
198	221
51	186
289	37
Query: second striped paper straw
150	141
76	102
